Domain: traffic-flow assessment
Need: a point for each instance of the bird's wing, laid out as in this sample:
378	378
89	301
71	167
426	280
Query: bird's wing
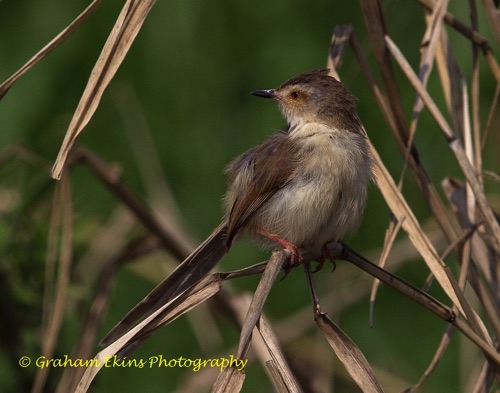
270	167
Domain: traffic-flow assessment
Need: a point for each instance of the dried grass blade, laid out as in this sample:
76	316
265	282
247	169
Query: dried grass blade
403	213
375	88
481	282
342	251
493	17
430	42
62	203
230	380
469	152
485	380
275	375
473	319
254	313
59	39
490	221
390	237
449	75
454	190
489	351
473	35
163	315
438	355
375	23
350	355
341	36
418	171
191	298
475	90
491	116
279	361
116	47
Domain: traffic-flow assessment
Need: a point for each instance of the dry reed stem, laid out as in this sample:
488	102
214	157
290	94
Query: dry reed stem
350	355
230	380
429	45
469	158
255	310
438	355
375	23
429	192
403	213
489	122
122	36
455	192
455	145
473	36
346	350
160	318
343	252
265	342
168	312
389	239
246	335
476	126
281	370
493	17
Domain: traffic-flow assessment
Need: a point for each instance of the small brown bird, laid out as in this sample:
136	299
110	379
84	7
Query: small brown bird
301	187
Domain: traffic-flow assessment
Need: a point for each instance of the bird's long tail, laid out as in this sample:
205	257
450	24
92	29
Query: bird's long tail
189	272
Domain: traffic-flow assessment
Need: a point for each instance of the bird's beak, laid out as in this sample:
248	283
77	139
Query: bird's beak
266	93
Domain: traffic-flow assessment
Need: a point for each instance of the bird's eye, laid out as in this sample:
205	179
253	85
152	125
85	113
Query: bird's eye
295	94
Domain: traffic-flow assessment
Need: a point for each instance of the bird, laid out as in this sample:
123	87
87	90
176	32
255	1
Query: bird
304	186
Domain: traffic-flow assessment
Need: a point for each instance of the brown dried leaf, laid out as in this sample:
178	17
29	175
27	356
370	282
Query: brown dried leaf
418	171
254	313
55	303
276	376
350	355
162	316
390	238
403	213
341	36
125	30
279	363
230	380
490	220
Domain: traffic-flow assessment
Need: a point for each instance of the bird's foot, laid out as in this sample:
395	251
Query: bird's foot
295	257
325	254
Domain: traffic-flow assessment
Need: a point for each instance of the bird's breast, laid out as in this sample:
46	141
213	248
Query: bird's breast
327	192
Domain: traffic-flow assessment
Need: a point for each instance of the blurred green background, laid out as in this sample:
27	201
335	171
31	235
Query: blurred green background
187	78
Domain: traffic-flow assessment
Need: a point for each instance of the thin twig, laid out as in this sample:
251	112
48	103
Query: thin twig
342	251
58	40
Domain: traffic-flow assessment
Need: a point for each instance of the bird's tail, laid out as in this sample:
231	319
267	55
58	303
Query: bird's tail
188	273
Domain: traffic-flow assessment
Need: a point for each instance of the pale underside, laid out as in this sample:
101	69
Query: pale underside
324	194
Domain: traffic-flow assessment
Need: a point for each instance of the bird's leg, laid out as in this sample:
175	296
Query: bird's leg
295	257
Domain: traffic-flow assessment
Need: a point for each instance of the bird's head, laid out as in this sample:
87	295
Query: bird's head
313	97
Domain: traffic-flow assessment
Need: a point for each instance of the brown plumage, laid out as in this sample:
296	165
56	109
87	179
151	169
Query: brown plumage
301	187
